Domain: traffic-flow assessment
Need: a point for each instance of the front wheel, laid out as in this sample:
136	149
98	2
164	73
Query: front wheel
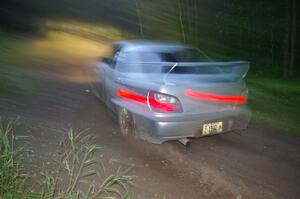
126	122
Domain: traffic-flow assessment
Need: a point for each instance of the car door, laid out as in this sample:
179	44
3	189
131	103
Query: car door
97	77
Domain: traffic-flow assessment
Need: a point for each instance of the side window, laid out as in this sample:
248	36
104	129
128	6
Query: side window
110	60
114	56
115	59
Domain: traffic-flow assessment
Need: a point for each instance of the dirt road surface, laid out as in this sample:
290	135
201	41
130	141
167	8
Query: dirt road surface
257	163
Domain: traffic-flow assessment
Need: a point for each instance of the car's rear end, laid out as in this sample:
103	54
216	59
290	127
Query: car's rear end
187	103
175	100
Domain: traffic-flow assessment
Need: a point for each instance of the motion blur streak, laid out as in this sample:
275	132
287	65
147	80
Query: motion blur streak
69	51
215	97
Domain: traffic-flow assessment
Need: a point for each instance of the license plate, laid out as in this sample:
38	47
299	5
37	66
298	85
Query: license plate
212	128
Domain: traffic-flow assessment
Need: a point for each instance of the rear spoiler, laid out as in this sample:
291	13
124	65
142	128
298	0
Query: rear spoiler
185	72
231	71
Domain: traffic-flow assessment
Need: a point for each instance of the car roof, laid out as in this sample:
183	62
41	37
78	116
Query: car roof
135	45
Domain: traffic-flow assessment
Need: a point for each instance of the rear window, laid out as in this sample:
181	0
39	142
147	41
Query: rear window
178	55
167	68
184	55
157	62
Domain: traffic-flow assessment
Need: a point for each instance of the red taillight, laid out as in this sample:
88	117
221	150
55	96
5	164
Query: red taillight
158	102
132	96
215	97
163	103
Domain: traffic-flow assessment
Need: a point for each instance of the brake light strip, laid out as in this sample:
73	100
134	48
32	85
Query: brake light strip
132	96
215	97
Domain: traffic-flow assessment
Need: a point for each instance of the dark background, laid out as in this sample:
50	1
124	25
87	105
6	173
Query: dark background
263	32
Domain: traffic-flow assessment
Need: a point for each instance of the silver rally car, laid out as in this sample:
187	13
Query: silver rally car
167	91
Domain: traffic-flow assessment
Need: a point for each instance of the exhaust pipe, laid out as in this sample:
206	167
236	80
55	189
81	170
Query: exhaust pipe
186	142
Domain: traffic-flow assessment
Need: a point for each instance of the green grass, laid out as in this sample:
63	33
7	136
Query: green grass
11	176
75	161
275	102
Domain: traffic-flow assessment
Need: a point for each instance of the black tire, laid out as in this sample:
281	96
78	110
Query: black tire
126	122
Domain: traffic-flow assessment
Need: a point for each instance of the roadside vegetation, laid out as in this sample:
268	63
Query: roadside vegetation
15	64
275	102
75	160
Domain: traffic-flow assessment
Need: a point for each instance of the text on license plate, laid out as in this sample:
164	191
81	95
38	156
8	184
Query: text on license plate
211	128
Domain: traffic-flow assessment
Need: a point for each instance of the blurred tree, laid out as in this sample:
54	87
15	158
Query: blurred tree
290	41
181	21
138	12
17	15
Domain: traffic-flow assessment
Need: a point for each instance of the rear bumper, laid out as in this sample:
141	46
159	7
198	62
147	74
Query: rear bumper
174	129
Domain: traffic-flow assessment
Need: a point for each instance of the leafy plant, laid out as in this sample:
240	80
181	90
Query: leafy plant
12	177
75	161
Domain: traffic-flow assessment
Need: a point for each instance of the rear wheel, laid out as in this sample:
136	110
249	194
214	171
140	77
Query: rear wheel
126	122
